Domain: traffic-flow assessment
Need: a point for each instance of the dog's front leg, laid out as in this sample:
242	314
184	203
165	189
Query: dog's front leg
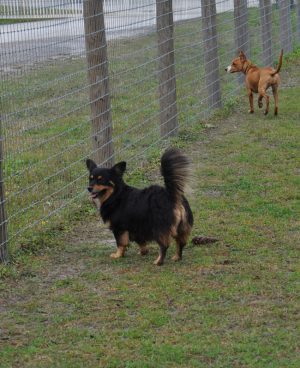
122	240
250	95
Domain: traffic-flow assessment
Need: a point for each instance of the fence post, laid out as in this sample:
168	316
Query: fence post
166	72
266	31
241	30
285	25
211	60
298	21
3	219
97	62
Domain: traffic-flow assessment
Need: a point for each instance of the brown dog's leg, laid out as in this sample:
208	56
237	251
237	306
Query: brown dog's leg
275	94
259	102
263	94
250	95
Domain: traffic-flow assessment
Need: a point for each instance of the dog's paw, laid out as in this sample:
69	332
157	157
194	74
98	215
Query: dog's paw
117	254
158	262
260	105
176	258
266	112
251	111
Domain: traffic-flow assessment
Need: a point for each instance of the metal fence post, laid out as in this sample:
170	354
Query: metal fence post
3	219
210	39
298	21
285	25
96	55
166	72
241	30
266	31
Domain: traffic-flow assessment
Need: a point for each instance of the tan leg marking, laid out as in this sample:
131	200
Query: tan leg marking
180	215
119	253
181	241
182	237
122	244
176	257
164	243
158	261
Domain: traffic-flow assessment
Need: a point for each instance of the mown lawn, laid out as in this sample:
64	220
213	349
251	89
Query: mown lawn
231	304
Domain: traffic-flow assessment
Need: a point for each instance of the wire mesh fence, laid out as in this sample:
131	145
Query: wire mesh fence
112	79
40	8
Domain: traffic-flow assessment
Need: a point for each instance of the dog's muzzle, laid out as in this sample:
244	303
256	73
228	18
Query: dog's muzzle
228	69
92	194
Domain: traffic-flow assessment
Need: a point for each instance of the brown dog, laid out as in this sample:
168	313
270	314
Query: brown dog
258	80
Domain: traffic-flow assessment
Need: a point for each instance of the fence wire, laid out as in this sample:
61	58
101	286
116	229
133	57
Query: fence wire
46	95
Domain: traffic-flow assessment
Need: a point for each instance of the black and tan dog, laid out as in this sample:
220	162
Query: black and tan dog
155	213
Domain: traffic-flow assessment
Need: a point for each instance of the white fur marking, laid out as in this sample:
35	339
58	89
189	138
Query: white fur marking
96	202
228	69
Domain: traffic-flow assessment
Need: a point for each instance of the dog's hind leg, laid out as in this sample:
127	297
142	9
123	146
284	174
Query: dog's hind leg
162	254
122	240
180	244
275	94
181	239
263	94
259	102
163	243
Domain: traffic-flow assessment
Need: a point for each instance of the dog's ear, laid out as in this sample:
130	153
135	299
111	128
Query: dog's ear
242	56
90	164
119	168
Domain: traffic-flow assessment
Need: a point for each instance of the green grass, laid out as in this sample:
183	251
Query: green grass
27	11
65	303
19	20
231	304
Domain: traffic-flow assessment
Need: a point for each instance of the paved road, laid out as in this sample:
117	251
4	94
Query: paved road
25	44
30	43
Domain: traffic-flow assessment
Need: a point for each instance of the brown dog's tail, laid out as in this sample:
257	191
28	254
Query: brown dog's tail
279	64
175	169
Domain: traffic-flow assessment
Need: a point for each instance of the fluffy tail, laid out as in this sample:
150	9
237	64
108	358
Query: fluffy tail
279	64
175	169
